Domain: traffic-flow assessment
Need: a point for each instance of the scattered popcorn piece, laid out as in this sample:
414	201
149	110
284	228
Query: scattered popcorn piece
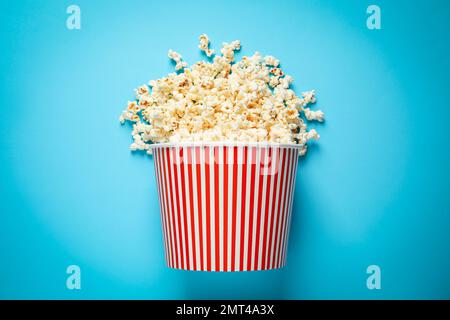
303	150
312	134
309	96
204	45
245	101
271	61
314	115
175	56
228	50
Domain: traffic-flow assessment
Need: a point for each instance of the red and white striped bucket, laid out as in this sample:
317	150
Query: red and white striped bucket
225	207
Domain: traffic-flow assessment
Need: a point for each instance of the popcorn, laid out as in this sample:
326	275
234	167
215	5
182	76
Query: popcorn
286	82
309	96
141	91
271	61
312	134
228	50
245	101
274	81
175	56
204	45
314	115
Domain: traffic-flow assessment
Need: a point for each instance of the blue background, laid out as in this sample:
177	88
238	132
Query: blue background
373	190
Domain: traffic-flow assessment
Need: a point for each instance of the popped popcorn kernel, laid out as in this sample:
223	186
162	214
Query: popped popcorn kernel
314	115
228	50
271	61
312	134
175	56
204	45
244	101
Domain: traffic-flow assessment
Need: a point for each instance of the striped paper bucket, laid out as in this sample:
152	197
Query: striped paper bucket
225	207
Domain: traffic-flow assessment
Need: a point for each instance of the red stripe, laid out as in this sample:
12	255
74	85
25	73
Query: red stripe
286	235
169	225
286	187
279	213
291	196
199	203
244	184
208	211
183	202
266	214
225	209
177	242
262	178
162	185
177	197
275	163
191	206
252	201
233	210
172	206
161	205
285	203
281	204
216	210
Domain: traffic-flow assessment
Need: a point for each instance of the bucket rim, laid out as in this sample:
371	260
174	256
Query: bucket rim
225	144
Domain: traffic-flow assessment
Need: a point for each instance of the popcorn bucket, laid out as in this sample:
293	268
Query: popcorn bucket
225	207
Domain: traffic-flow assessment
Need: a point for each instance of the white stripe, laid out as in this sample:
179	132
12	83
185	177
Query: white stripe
271	203
247	204
161	203
180	196
282	206
230	155
171	215
166	209
180	233
255	206
281	213
196	209
288	204
212	207
291	204
171	195
280	159
288	228
238	209
203	195
165	189
163	207
263	208
287	186
289	201
221	213
188	208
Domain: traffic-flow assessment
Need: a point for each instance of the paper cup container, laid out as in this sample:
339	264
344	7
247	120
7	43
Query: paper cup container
225	207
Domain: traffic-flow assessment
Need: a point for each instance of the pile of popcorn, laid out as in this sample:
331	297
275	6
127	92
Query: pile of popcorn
245	101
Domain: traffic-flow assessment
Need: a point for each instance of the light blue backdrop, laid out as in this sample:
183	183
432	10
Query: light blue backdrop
374	190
